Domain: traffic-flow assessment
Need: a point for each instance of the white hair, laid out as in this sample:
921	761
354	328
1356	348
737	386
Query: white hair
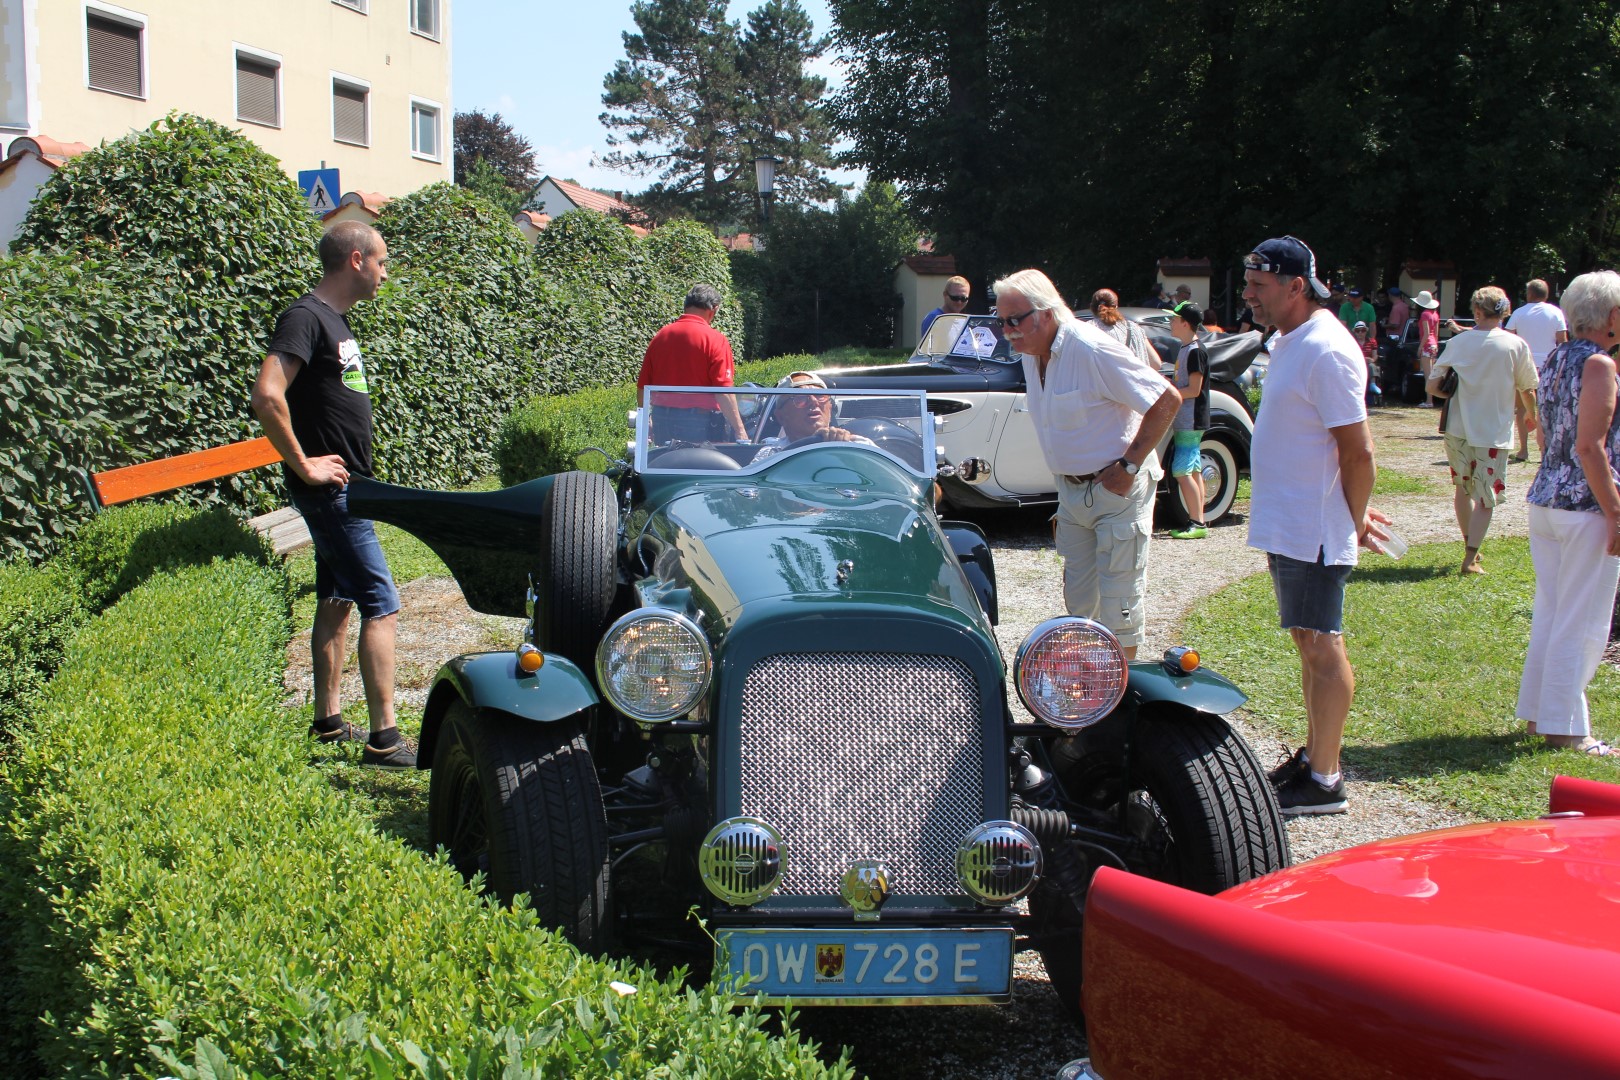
1589	299
1038	289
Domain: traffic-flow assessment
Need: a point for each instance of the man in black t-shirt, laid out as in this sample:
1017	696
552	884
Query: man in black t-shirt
314	402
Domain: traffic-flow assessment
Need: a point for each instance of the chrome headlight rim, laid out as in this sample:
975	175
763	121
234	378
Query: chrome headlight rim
1038	637
991	832
713	875
610	639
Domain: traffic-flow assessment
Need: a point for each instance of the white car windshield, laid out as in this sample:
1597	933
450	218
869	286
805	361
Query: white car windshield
966	336
686	429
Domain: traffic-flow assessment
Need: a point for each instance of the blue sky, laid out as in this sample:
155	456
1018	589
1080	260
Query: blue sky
541	67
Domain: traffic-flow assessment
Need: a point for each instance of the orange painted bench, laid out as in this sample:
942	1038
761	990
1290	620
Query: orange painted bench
284	527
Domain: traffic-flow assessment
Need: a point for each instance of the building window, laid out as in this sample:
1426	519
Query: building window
351	121
114	47
425	130
357	5
258	88
425	17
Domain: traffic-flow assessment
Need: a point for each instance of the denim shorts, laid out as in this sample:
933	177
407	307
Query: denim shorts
1187	456
1310	596
349	562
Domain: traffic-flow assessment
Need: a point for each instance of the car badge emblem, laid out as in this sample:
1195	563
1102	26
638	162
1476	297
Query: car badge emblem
866	886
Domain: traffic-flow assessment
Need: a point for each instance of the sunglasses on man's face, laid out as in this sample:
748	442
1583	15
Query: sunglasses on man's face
1015	321
956	299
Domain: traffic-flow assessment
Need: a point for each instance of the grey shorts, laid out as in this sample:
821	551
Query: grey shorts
1310	596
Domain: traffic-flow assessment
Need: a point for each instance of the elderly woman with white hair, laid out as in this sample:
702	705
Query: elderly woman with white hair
1575	519
1496	378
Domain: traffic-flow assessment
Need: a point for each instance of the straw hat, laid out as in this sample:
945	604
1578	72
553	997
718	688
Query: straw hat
1426	300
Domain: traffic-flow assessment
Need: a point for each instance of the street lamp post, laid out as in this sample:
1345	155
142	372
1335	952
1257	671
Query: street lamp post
765	183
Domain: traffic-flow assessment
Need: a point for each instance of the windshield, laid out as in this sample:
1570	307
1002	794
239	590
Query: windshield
683	429
968	336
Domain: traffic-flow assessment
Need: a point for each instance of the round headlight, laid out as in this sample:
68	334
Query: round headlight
1070	672
998	862
653	665
742	860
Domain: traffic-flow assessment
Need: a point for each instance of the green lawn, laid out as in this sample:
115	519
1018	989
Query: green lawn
1437	657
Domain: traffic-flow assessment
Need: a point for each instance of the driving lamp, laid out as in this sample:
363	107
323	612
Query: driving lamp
653	665
1070	672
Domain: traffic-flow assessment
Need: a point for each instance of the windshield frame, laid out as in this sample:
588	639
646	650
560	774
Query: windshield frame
755	419
941	343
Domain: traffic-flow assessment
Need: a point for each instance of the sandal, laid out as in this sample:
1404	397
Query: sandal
1598	748
1521	458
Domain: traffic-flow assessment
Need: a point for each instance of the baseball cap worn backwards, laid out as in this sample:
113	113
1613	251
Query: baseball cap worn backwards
800	380
1287	255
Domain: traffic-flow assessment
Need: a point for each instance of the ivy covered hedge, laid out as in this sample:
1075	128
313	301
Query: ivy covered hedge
145	283
186	897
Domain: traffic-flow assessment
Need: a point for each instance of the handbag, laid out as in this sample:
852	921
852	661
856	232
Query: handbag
1448	389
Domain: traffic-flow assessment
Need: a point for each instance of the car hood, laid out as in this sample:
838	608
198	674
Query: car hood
1535	903
761	543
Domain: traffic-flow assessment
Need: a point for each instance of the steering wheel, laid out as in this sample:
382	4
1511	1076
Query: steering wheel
897	439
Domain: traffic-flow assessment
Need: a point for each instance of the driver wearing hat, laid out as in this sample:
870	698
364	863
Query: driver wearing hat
804	417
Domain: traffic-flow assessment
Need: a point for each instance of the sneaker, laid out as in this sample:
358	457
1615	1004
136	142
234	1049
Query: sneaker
344	732
1191	532
398	756
1303	795
1294	766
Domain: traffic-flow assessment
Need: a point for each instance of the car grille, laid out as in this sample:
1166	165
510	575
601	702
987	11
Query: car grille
864	756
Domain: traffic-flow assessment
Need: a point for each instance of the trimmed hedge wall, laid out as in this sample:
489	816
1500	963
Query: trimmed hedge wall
146	281
186	897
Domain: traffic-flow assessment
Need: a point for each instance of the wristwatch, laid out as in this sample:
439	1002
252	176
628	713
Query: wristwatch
1130	467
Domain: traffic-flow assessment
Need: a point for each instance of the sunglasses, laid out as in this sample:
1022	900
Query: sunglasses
1014	320
957	299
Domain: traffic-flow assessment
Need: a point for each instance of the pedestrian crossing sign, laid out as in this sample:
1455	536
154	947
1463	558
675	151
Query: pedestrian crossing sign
321	190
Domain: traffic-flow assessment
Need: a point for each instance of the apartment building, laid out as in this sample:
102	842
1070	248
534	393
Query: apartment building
361	86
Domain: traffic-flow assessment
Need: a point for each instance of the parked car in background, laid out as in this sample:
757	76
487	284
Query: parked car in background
1400	373
761	683
976	393
1482	951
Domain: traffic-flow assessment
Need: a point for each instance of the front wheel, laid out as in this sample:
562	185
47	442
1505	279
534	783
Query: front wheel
1195	803
519	801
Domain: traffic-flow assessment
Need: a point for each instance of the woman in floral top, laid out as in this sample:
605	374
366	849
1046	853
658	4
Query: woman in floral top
1575	519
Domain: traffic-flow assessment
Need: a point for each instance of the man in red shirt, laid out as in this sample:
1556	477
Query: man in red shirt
691	352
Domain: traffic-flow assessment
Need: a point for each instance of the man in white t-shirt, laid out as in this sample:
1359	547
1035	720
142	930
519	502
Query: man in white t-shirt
1312	474
1098	414
1543	328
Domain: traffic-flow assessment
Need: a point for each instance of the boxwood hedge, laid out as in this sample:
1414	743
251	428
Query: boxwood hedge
185	896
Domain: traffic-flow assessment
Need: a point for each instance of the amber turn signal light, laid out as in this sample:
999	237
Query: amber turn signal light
1180	660
529	658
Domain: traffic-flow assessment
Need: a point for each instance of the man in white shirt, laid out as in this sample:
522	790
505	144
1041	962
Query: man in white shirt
1543	328
1099	413
1312	473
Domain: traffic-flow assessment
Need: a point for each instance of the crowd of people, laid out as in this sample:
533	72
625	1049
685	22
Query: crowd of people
1100	407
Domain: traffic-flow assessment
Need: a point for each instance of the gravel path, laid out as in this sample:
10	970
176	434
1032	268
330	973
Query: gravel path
1031	1037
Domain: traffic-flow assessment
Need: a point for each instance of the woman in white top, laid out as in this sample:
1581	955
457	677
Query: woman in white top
1494	371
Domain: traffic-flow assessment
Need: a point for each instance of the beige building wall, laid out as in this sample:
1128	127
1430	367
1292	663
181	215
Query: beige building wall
189	55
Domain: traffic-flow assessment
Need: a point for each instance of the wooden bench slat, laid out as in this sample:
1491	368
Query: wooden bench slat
133	481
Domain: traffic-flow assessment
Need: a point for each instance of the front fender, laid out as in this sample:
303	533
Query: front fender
493	680
1203	691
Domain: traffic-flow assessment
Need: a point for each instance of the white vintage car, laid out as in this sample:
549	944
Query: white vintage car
976	393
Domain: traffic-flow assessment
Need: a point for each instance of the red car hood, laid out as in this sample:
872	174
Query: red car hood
1531	902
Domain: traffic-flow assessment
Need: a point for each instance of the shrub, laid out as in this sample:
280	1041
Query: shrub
126	545
242	916
451	233
40	611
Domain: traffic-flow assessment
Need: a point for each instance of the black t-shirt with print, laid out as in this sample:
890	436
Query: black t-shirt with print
329	400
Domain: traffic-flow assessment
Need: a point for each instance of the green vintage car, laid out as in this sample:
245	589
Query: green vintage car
760	679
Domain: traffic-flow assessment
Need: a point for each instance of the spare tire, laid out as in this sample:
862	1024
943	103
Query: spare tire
577	577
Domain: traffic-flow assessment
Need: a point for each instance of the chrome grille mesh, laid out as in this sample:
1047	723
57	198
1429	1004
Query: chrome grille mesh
863	756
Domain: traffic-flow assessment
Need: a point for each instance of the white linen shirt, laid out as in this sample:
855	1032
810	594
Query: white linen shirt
1492	366
1539	324
1095	393
1317	381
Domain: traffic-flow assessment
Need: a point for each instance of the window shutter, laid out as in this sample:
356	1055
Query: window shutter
115	56
349	114
256	91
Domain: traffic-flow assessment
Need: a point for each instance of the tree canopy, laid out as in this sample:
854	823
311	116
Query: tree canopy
491	155
1091	139
698	97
